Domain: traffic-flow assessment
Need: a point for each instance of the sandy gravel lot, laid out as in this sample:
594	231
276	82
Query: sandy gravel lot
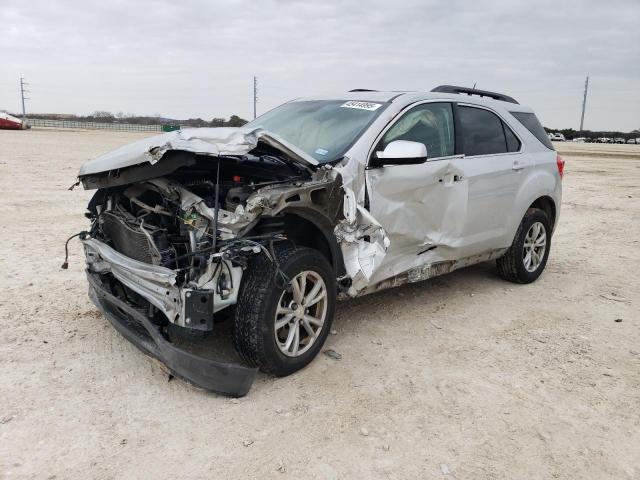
462	377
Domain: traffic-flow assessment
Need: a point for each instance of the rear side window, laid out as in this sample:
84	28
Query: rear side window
484	133
530	121
513	144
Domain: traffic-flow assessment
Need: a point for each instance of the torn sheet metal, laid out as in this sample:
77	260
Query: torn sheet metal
363	242
203	141
362	239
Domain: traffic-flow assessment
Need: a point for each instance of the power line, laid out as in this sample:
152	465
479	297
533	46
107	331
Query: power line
22	92
255	95
584	102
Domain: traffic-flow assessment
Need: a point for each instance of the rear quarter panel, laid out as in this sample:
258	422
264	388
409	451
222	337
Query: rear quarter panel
541	180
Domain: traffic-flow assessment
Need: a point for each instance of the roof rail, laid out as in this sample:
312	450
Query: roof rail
362	90
473	91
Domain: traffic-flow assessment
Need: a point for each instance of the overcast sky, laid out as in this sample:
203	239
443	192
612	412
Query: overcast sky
197	58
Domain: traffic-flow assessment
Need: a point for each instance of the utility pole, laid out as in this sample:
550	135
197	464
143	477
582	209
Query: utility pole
22	92
584	102
255	95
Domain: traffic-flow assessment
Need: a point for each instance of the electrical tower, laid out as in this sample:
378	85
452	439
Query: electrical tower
22	92
584	102
255	95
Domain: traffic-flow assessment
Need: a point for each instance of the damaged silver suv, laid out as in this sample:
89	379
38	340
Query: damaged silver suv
321	198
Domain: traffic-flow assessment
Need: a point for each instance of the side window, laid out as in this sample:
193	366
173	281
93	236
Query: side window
482	132
531	122
513	144
430	124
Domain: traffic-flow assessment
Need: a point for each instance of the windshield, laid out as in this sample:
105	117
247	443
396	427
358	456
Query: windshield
324	129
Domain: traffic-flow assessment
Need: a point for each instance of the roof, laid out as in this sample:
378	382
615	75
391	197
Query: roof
364	96
408	97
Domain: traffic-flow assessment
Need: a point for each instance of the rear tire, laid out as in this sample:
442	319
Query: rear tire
267	315
526	258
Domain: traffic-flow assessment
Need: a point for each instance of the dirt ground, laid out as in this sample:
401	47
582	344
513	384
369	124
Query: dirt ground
462	377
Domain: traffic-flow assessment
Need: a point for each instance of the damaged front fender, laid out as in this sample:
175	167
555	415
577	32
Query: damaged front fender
363	242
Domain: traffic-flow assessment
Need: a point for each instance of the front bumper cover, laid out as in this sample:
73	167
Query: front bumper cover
221	377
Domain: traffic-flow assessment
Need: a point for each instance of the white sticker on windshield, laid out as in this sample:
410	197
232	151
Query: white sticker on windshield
361	105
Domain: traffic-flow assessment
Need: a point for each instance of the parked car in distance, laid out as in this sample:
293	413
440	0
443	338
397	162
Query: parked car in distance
557	137
619	140
266	226
579	140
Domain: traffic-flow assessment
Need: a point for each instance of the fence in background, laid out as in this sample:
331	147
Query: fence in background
122	127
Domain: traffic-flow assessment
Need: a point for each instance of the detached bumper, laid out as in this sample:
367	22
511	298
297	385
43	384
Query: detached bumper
225	378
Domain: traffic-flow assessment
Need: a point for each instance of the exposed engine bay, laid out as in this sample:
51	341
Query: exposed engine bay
164	229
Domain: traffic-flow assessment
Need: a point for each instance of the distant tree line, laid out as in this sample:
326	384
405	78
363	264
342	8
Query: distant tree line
570	133
108	117
236	121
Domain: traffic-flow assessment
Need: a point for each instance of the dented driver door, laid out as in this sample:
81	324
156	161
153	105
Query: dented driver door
423	207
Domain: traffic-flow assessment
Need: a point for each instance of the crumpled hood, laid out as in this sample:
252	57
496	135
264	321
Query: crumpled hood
204	141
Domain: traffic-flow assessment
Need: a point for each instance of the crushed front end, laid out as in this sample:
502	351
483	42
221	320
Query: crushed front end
168	244
156	239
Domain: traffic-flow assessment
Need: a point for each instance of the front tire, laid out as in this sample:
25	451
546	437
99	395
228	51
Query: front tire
526	258
278	326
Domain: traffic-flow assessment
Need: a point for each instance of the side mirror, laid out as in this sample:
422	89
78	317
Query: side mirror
401	152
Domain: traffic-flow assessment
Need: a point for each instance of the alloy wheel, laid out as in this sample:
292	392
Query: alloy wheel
301	314
535	245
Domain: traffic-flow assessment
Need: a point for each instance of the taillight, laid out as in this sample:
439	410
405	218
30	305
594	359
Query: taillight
560	163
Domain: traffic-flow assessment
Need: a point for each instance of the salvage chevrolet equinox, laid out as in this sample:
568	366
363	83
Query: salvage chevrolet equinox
322	198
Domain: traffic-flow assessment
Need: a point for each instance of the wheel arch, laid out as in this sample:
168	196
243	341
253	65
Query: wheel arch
540	190
312	229
548	206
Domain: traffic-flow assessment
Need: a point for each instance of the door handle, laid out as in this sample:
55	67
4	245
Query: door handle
450	178
517	165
